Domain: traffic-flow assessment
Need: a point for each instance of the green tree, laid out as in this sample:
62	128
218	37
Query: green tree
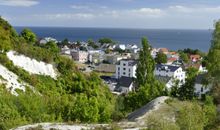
65	42
210	112
92	44
186	91
28	35
146	65
161	58
148	87
106	40
52	46
214	62
184	57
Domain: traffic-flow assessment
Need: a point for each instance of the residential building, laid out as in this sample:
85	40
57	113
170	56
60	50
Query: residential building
126	68
65	50
154	52
47	39
125	85
80	56
163	50
113	58
171	60
132	48
121	46
195	58
168	81
200	87
175	72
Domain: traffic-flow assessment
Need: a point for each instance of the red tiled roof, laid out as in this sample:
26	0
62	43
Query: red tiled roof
171	59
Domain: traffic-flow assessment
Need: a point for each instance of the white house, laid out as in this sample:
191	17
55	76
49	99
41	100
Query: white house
47	39
80	56
154	52
121	46
126	68
133	48
175	72
125	85
200	88
66	50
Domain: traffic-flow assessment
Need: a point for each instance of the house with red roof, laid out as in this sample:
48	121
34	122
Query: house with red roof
195	58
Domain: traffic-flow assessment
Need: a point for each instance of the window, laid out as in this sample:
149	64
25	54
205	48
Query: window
124	73
124	68
129	74
124	64
118	68
201	89
129	70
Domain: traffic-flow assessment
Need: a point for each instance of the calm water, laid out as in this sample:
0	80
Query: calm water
172	39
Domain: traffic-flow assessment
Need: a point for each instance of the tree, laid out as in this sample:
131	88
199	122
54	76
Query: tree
92	44
65	42
161	58
184	57
146	65
52	46
105	40
209	109
214	62
28	35
186	91
148	87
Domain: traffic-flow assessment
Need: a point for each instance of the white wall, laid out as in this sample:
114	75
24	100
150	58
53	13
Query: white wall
198	89
31	65
179	74
123	69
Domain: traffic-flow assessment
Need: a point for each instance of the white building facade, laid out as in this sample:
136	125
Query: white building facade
175	72
80	56
126	68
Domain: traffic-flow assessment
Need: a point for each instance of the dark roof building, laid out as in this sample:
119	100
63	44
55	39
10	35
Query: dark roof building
163	67
125	81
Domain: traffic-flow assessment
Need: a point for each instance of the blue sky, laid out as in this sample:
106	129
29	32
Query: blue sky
174	14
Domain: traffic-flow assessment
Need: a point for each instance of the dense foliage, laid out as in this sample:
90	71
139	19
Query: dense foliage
148	87
161	58
8	35
76	97
72	97
214	61
189	115
106	40
28	35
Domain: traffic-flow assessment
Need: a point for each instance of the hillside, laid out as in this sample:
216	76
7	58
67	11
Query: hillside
64	94
38	85
31	65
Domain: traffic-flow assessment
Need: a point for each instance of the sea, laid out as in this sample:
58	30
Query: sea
173	39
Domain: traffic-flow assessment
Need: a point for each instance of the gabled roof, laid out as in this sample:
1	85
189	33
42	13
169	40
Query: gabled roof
167	67
163	50
125	81
172	59
130	62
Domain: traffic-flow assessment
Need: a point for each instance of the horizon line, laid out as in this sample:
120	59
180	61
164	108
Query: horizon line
23	26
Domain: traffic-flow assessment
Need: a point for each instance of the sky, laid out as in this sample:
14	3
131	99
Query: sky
158	14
